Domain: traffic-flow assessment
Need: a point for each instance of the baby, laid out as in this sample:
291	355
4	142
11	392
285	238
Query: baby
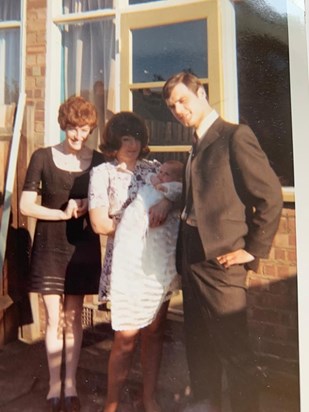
168	180
150	252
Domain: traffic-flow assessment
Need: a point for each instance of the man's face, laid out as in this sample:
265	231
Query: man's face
187	107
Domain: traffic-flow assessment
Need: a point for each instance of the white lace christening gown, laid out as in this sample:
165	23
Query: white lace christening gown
143	272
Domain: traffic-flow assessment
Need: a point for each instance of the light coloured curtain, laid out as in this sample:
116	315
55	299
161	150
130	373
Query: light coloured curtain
71	6
88	58
9	53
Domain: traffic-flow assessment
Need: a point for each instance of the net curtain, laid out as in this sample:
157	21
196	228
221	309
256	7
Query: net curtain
88	54
9	53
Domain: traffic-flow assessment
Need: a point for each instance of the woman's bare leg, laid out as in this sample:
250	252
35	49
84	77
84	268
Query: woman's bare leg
119	365
54	342
73	332
151	352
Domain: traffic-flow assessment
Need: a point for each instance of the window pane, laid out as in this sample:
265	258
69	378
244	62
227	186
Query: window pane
10	10
264	80
74	6
88	63
159	52
164	129
9	53
9	65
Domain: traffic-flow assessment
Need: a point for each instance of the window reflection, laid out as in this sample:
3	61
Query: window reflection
159	52
9	55
164	129
264	80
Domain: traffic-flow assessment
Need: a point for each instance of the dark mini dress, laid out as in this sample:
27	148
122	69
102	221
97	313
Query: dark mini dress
66	255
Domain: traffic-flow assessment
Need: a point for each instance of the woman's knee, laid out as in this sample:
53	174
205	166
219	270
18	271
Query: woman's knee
125	341
53	310
157	327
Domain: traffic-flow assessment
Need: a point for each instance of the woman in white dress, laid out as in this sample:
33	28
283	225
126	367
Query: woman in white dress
112	188
143	272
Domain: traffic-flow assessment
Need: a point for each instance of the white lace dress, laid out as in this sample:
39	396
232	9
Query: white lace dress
139	271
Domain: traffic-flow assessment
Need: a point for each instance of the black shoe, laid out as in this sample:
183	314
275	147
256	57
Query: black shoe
71	404
54	404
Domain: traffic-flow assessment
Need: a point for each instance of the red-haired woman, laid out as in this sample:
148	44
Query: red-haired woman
65	260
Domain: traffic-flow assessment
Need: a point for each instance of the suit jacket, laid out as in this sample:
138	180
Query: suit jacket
237	196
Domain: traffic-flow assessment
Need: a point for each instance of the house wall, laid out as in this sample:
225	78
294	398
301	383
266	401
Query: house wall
273	309
36	66
272	291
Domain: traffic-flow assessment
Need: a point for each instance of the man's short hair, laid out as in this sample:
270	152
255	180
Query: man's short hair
188	79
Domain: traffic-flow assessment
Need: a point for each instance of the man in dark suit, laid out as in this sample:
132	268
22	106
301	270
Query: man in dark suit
232	207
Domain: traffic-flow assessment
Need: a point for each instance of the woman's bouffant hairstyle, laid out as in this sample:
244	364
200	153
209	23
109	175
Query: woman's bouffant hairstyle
124	124
77	111
187	78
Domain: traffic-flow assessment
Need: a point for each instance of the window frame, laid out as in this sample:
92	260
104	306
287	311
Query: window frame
21	25
223	95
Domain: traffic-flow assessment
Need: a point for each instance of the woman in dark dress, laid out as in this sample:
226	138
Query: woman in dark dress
65	260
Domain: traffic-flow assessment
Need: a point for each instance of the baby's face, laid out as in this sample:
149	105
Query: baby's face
166	174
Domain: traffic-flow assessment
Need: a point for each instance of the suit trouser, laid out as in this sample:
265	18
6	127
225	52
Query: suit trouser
216	330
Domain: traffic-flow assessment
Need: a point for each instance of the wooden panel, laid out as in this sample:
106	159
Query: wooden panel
18	241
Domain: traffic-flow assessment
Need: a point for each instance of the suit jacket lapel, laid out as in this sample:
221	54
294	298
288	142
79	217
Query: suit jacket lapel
211	135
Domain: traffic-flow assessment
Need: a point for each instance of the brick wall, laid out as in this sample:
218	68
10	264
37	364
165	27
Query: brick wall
272	302
36	65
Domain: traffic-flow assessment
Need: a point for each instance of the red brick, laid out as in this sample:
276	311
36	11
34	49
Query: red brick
39	115
282	240
285	271
292	240
258	282
283	225
37	93
280	254
291	256
270	270
29	93
288	212
292	224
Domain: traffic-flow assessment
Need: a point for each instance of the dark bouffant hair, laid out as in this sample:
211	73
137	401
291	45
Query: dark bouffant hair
77	111
124	124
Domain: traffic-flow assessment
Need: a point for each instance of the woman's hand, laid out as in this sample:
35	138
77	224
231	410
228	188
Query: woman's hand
81	207
158	212
237	257
29	206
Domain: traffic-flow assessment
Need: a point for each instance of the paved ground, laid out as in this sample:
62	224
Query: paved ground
24	377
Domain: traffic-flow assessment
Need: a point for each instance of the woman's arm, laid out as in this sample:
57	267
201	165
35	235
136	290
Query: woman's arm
101	222
29	207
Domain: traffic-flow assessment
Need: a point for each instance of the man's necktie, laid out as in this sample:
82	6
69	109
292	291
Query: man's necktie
194	145
189	200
